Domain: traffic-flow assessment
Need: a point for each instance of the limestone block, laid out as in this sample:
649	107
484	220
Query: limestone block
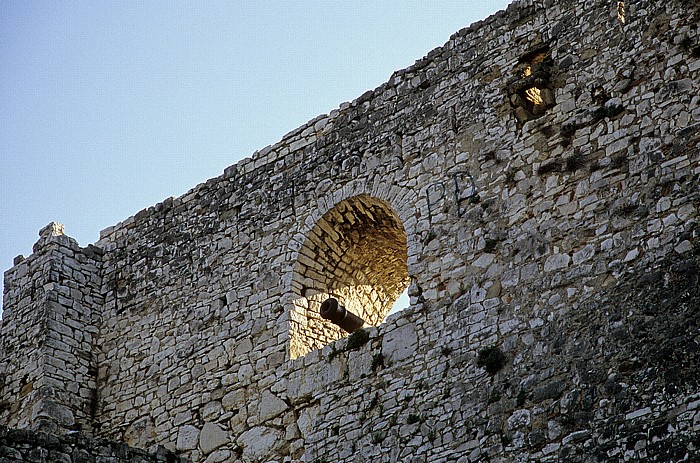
270	406
211	410
576	436
259	442
245	373
229	379
631	255
683	246
182	417
484	260
187	438
519	418
307	420
243	347
233	400
140	433
584	254
359	364
212	437
556	262
218	456
60	414
299	386
400	343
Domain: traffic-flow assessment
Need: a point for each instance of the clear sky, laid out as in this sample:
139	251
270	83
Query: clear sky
107	108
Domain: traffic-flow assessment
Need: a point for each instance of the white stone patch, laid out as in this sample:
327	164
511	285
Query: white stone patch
638	413
187	438
400	343
556	262
484	260
259	442
519	418
584	254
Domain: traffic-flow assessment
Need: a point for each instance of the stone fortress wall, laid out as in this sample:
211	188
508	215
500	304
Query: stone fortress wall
534	183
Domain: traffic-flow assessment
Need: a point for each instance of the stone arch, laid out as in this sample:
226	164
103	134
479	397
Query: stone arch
355	251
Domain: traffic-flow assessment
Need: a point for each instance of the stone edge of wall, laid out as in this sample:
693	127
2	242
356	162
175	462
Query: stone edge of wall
295	139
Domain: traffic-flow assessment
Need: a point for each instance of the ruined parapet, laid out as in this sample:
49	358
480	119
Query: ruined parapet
48	335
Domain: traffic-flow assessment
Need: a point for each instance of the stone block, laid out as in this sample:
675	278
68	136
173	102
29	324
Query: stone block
400	343
259	442
270	406
212	437
187	438
556	262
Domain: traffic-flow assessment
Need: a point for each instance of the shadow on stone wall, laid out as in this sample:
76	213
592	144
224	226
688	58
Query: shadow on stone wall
627	362
24	445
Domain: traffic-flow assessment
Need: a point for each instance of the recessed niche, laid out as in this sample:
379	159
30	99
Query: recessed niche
531	92
355	253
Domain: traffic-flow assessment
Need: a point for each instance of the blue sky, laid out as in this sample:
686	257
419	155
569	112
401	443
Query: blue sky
109	107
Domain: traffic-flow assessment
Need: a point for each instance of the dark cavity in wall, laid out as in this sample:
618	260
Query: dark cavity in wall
531	91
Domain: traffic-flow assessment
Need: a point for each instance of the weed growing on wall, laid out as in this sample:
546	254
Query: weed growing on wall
492	359
357	339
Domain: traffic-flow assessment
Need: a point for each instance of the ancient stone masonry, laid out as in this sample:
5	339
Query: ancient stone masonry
49	333
23	445
534	183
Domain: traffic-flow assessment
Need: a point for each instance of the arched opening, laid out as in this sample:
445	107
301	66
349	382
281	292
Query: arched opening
355	253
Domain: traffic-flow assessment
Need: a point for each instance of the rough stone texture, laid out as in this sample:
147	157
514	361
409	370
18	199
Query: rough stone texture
399	344
48	335
535	184
187	438
259	443
212	437
41	447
